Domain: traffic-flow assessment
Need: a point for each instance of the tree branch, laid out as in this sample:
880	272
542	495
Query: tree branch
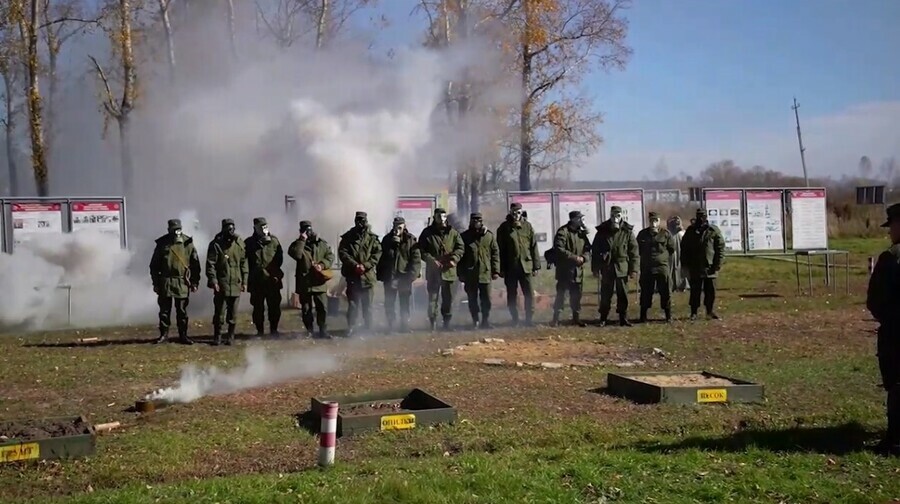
67	19
109	104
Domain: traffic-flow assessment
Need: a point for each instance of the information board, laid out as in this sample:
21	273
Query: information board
765	213
103	216
809	219
632	203
723	209
416	211
586	203
33	220
539	207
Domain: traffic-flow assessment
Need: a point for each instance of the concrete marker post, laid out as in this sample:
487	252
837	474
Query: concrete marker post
328	434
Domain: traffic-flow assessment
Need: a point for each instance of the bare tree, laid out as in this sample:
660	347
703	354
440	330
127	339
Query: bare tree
283	19
164	6
11	73
232	37
865	167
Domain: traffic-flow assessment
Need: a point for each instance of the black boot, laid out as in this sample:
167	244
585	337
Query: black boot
515	317
604	320
576	319
693	315
710	314
474	322
668	315
217	335
183	336
623	320
229	339
163	336
446	326
323	333
529	320
554	322
404	326
643	318
486	323
273	329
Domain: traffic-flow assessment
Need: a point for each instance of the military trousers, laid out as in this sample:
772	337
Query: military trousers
402	292
889	365
359	294
573	290
313	305
224	310
514	281
479	297
261	299
608	285
440	292
165	312
652	283
707	288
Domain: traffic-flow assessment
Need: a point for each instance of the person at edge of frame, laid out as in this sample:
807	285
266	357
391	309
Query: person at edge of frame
479	266
571	250
657	247
703	252
175	273
615	260
520	261
226	275
882	299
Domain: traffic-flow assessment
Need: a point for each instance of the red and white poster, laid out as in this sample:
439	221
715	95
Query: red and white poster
632	204
539	207
103	216
32	220
586	203
765	229
416	212
809	219
723	208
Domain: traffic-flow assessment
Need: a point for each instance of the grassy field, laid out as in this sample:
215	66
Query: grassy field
524	434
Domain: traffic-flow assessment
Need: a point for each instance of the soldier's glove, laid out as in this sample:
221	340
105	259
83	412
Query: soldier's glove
360	269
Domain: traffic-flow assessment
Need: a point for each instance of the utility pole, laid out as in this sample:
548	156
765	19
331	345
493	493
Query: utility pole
800	140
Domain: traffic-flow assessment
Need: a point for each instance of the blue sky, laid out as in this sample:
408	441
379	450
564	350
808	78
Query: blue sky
711	79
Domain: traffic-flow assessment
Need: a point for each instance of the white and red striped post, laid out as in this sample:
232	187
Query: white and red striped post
328	434
871	265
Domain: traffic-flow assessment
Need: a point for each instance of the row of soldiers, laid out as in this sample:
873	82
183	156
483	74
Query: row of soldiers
476	257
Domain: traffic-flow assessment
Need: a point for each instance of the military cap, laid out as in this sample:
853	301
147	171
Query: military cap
701	212
615	209
174	224
305	224
399	220
227	222
575	214
259	221
654	215
893	212
475	216
515	206
361	215
439	210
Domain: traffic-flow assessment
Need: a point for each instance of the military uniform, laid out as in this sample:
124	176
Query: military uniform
175	273
615	258
442	249
703	251
314	261
678	279
264	259
480	265
571	250
399	267
882	299
519	261
226	274
359	252
656	246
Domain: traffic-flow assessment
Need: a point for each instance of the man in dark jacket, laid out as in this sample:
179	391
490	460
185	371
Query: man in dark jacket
442	249
175	273
314	261
264	260
702	251
656	246
615	259
519	261
571	250
480	265
226	274
399	267
359	252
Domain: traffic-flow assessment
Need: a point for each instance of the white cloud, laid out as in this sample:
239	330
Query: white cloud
834	143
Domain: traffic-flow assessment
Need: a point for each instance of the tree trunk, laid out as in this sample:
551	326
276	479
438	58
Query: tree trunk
475	193
52	86
126	159
10	128
322	25
231	30
170	42
35	118
525	136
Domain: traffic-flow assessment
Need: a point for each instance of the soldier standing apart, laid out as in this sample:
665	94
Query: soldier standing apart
442	249
703	250
656	246
615	259
882	299
314	260
226	274
175	272
679	280
480	265
519	260
264	258
399	267
359	252
571	248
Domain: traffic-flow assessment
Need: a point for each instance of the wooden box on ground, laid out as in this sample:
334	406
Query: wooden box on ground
693	387
46	439
388	410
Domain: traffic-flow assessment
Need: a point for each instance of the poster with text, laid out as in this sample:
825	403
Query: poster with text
32	220
809	219
723	209
539	208
103	216
417	213
765	229
586	203
632	203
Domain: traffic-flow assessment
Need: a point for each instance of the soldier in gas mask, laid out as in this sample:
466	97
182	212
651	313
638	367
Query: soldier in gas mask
264	258
703	251
399	267
480	265
359	252
175	273
678	276
520	260
226	274
571	250
615	259
314	260
442	249
656	246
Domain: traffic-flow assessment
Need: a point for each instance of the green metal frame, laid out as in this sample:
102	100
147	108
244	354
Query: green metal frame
428	410
626	386
81	445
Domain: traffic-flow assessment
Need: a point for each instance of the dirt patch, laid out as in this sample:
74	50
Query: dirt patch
684	380
377	408
564	351
41	429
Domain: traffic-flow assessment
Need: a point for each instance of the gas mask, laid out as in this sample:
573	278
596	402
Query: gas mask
263	232
361	223
310	233
441	220
576	223
616	221
179	237
654	224
516	215
229	231
702	221
398	229
477	225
